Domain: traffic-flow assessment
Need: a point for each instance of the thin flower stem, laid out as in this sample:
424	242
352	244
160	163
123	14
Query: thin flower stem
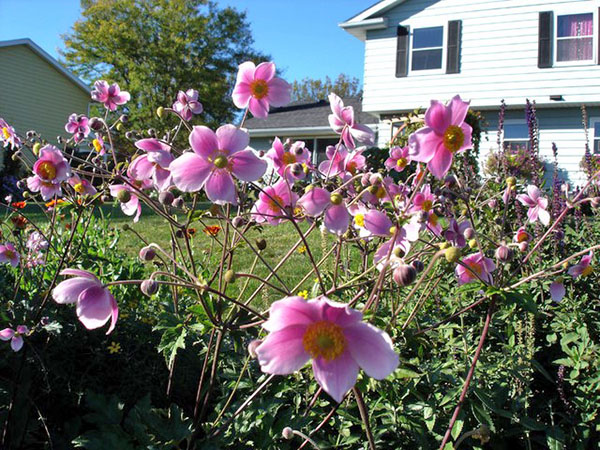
364	415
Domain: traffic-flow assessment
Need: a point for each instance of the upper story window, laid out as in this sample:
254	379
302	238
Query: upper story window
427	48
575	37
596	136
516	136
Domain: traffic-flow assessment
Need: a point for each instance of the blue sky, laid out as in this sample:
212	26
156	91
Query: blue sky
302	36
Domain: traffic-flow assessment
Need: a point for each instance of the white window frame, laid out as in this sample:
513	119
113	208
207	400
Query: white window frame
515	122
592	134
569	11
428	24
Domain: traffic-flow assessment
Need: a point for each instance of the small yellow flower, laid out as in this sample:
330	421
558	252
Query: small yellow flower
303	294
114	347
302	249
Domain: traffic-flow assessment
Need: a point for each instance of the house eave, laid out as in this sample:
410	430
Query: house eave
359	29
377	8
322	131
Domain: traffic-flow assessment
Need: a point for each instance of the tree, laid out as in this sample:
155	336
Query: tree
153	48
310	89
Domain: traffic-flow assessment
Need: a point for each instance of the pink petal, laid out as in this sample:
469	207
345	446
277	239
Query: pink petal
241	95
438	117
203	141
557	291
339	313
141	168
220	187
259	108
279	93
245	73
468	137
114	313
532	213
533	192
6	334
337	219
525	200
264	71
282	352
247	166
336	123
336	104
458	110
232	139
151	145
16	343
315	201
291	311
544	216
190	172
440	164
337	376
94	307
422	144
372	349
378	223
363	133
79	273
69	290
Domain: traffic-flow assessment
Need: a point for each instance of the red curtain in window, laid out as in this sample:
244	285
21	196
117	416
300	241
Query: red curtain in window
578	25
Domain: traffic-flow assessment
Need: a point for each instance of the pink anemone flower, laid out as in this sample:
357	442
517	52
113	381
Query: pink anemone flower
49	170
557	290
110	95
393	251
214	158
154	164
98	144
342	122
133	206
273	202
536	203
370	222
479	267
583	268
455	233
95	303
8	135
78	127
444	134
9	254
342	162
15	336
521	235
398	160
257	87
187	104
332	335
318	201
284	155
82	186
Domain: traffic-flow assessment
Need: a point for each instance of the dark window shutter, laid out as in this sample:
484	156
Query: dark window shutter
402	52
545	39
453	55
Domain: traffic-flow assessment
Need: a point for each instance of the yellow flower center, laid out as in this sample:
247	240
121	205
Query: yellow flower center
393	230
220	162
351	167
275	203
427	205
359	220
454	138
259	89
5	133
324	339
475	267
288	158
587	271
402	162
79	188
380	192
9	254
433	219
97	145
47	170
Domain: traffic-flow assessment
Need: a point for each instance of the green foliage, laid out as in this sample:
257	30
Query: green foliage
309	89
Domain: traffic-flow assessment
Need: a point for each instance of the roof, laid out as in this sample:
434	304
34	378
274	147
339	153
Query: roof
53	62
363	21
305	116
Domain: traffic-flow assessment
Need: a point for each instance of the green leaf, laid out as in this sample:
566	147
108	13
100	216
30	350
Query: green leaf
172	340
406	373
524	301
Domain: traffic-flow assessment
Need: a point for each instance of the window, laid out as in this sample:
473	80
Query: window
516	136
427	48
575	37
596	137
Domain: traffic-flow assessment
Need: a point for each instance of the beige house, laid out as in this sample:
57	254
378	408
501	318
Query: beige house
36	92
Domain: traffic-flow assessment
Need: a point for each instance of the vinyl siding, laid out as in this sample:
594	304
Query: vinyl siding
499	51
36	96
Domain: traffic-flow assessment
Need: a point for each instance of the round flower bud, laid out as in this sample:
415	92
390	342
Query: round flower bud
452	254
595	202
404	275
287	433
373	189
493	203
95	123
166	198
511	181
120	126
308	188
375	179
450	181
443	245
297	170
126	227
147	253
252	347
473	243
124	196
26	194
177	203
105	198
160	111
15	157
398	252
418	265
523	246
124	118
36	148
30	134
261	244
179	234
149	287
504	253
336	198
469	233
229	276
238	221
130	135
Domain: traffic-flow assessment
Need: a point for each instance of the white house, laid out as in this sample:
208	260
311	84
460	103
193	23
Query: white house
486	51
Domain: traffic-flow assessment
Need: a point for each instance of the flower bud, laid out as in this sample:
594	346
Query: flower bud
469	233
252	347
179	234
504	253
26	194
373	189
375	179
166	198
124	196
398	252
261	244
287	433
238	221
511	181
126	227
95	123
177	203
493	203
229	276
595	202
418	265
120	126
130	135
473	243
149	287
523	246
36	148
450	181
124	118
147	253
297	170
309	188
452	254
336	198
160	111
404	275
443	245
